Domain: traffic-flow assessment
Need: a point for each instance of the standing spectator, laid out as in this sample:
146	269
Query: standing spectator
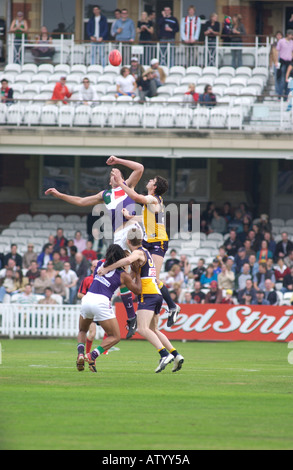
70	279
190	27
283	247
6	92
48	300
13	255
79	241
238	30
208	98
212	30
42	282
126	84
19	26
89	253
147	86
168	26
197	295
97	31
124	28
45	256
61	92
214	296
274	58
44	47
145	29
60	241
191	96
29	256
136	69
87	94
117	15
160	75
285	50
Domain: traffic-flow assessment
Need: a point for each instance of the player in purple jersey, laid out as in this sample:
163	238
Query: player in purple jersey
115	199
97	307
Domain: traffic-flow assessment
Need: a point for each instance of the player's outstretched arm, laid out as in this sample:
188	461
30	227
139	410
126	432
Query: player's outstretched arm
136	255
133	284
75	200
137	168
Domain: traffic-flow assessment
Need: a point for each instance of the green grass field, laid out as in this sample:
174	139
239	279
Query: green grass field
227	396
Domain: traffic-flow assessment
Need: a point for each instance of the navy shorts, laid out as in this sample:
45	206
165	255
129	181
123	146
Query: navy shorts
151	302
156	248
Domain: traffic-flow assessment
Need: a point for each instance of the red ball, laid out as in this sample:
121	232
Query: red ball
115	58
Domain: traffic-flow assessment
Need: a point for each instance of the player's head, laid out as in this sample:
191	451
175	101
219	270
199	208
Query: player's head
158	186
112	182
114	254
134	238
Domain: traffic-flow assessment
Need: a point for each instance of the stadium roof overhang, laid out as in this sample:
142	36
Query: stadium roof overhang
147	143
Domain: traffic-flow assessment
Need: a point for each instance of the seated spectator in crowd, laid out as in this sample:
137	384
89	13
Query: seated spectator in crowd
171	261
206	217
51	272
19	282
243	276
226	278
58	287
271	242
261	276
228	299
81	267
254	240
269	293
45	256
264	224
217	266
63	255
29	256
10	265
232	244
175	275
236	223
25	297
247	299
8	285
208	98
146	85
288	282
13	255
33	272
184	265
264	253
199	270
208	276
73	251
240	259
177	293
197	295
60	241
218	223
48	300
281	269
247	246
89	253
87	94
288	260
44	48
126	84
57	263
79	242
249	289
136	69
160	75
191	96
227	212
188	298
214	296
6	92
283	247
61	92
260	300
254	266
40	283
70	279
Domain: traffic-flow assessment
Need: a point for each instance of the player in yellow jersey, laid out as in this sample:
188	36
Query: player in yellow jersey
149	301
156	238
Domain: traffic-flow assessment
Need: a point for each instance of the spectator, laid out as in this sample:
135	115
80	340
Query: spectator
288	260
40	283
227	212
261	276
271	243
175	275
48	300
274	58
184	266
6	92
212	30
126	84
136	69
285	51
8	285
26	297
240	259
188	298
243	276
33	272
226	278
145	28
160	75
255	240
73	251
247	246
124	29
29	256
232	244
247	299
264	224
264	253
269	293
57	263
60	241
171	261
218	223
283	247
190	27
214	296
89	253
63	254
208	276
97	31
236	223
253	265
168	26
117	15
206	217
19	282
228	299
44	48
45	256
70	279
61	92
238	30
288	282
208	98
177	293
19	26
147	86
260	300
59	287
191	96
249	290
13	255
227	30
199	270
51	272
79	241
217	266
10	265
87	94
281	269
81	267
197	295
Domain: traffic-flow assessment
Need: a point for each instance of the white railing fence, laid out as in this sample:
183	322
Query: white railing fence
40	321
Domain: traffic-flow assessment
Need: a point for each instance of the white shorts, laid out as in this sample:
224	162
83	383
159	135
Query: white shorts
120	238
96	307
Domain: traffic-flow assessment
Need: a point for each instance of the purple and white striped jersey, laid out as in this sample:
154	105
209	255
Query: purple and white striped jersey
108	284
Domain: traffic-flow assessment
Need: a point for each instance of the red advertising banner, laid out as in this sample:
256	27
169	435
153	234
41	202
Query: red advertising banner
216	322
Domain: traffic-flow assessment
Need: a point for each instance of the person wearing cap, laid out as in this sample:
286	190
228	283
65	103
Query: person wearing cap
147	86
97	31
136	69
6	92
61	92
18	27
214	296
160	75
29	256
240	259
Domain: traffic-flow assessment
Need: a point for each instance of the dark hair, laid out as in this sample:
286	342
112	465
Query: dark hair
114	253
122	172
161	185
